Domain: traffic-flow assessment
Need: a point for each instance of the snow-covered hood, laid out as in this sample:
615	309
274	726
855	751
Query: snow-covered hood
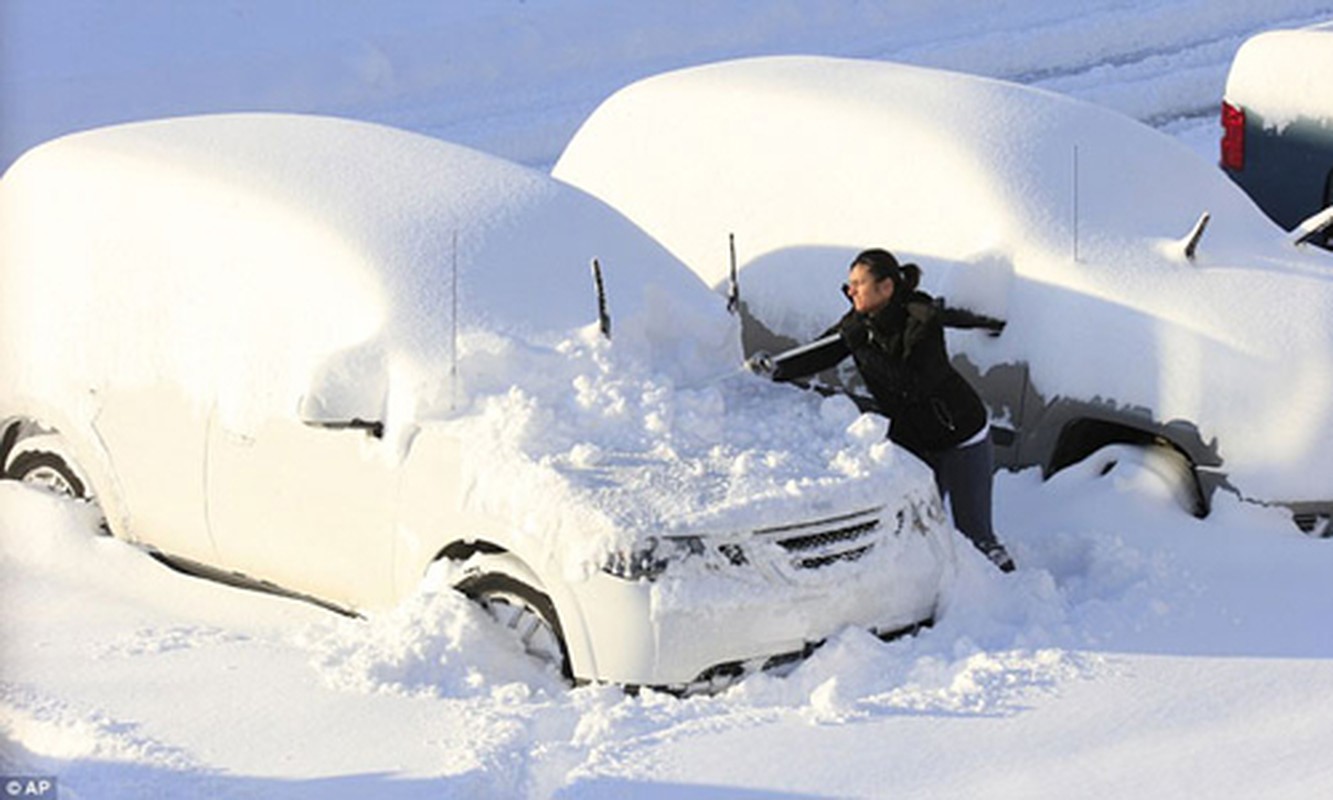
609	452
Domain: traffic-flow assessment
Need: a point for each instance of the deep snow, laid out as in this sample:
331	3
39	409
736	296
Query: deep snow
1137	651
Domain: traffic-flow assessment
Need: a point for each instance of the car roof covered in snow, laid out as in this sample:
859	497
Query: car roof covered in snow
932	162
411	207
221	237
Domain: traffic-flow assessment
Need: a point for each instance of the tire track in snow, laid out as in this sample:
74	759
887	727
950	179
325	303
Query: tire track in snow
1161	84
1164	65
1156	64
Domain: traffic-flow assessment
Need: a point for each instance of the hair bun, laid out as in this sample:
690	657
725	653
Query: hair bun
911	277
884	266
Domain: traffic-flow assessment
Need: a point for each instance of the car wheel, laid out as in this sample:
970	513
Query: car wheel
525	611
1157	468
47	470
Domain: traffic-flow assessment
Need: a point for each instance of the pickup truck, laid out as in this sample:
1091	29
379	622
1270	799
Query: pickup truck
1277	121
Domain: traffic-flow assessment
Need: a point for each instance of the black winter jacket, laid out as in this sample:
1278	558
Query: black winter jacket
899	351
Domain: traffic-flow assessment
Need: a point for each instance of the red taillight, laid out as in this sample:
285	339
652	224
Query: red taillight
1233	137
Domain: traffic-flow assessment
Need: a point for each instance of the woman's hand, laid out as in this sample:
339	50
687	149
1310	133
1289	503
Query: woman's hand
761	364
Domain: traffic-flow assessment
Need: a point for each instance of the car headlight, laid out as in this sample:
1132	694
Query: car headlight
652	556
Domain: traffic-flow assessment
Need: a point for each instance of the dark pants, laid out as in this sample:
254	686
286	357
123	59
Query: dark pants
963	477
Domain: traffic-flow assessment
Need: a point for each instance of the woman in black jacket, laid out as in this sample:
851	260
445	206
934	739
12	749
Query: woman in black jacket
895	335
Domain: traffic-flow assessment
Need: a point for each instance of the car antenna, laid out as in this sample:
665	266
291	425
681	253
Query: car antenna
603	316
1075	219
1195	234
453	322
733	282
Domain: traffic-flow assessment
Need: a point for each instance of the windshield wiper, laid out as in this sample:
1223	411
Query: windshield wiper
1312	228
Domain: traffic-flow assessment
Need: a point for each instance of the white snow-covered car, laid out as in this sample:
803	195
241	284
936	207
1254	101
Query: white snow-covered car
320	356
1143	307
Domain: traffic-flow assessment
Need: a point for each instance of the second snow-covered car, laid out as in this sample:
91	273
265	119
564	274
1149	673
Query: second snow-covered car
323	355
1143	306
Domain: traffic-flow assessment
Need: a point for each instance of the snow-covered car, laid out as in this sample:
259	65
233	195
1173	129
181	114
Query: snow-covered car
1143	307
1277	121
320	356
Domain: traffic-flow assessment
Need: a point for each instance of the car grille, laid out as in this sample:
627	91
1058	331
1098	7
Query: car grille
818	544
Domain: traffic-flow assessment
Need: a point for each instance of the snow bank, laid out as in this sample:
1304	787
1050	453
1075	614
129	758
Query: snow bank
437	642
1123	608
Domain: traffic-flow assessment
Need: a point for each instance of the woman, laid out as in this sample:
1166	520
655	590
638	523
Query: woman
896	337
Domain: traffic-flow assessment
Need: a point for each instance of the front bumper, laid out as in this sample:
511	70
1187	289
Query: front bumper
701	621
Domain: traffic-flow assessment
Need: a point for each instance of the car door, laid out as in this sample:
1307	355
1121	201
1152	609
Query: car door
308	506
154	437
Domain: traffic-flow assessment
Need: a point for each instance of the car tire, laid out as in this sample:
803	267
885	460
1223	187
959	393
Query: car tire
47	470
527	612
1162	467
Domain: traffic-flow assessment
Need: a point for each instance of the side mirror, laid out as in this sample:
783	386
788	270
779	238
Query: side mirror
348	392
313	413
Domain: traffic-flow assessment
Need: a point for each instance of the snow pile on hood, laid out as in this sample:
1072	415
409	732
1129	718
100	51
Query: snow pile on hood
609	449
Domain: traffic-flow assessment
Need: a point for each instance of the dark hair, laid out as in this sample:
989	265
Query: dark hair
883	265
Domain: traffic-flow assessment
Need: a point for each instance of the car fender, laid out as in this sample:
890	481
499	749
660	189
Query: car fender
434	523
86	448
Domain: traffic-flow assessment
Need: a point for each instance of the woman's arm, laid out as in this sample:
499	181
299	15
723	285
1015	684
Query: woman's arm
824	353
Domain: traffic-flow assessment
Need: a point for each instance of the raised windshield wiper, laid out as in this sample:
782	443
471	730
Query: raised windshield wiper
1309	231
